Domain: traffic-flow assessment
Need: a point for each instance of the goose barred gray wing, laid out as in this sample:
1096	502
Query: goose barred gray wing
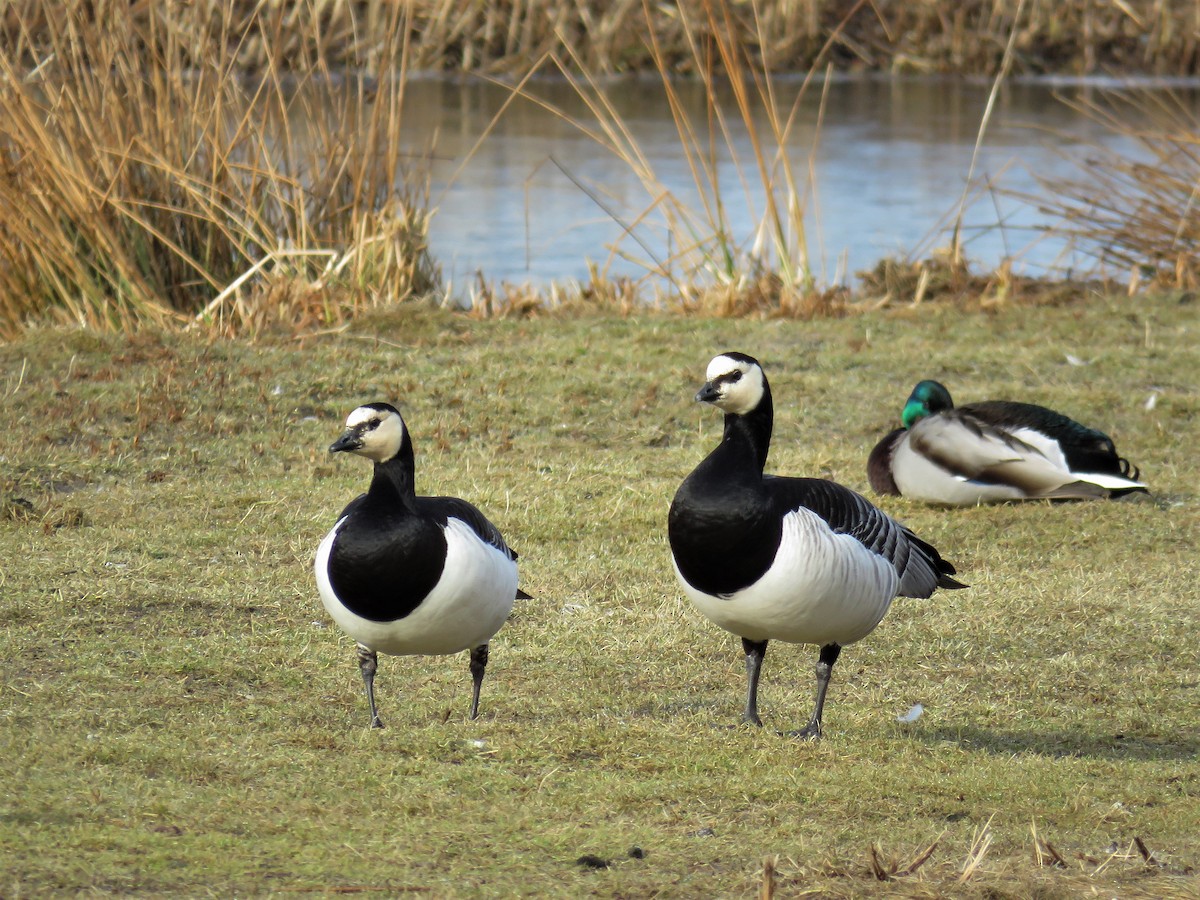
455	507
919	565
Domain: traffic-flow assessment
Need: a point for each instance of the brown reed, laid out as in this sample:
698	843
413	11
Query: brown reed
1135	206
1160	37
147	177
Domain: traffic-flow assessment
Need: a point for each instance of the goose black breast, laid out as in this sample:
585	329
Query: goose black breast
383	564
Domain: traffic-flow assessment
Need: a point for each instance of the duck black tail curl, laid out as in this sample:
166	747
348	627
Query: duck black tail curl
1128	469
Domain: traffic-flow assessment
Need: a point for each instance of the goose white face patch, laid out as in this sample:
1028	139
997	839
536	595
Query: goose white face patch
381	432
739	384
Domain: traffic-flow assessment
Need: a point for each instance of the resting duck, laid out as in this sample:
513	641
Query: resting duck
995	451
801	560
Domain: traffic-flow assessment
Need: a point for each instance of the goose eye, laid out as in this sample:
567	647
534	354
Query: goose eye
735	377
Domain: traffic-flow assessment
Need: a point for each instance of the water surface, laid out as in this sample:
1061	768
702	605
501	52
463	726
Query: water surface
890	161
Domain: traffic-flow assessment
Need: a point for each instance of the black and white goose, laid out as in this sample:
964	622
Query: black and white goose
995	451
408	575
802	560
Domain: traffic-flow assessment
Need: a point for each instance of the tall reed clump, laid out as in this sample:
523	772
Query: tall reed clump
1138	205
736	150
144	177
608	36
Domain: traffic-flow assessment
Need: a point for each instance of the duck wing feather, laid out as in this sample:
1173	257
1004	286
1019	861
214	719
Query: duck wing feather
975	450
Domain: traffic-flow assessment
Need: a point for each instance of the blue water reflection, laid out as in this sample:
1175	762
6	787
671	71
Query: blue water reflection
890	164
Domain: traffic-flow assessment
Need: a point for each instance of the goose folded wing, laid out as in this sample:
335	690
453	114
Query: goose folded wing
455	507
919	565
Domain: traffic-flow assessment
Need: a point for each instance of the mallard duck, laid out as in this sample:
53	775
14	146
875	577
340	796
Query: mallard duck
802	560
995	451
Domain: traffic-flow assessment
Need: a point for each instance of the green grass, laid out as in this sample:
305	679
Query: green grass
179	717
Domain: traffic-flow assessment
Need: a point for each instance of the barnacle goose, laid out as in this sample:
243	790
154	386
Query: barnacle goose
409	575
802	560
994	451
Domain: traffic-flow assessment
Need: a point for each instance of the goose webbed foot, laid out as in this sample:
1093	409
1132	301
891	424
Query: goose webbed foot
810	732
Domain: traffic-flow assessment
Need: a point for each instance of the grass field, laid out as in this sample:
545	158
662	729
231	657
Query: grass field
179	717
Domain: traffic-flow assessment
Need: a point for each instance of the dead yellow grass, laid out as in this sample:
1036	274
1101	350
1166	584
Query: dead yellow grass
1138	36
151	179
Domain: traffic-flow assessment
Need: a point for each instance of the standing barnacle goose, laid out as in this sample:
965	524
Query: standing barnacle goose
802	560
411	575
995	451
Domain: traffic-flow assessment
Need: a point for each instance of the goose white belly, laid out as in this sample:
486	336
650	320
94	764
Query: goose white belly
821	588
465	608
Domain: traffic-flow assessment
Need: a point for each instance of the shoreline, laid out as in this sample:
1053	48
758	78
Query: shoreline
130	199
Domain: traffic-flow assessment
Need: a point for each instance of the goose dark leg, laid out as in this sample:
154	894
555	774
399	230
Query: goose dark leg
755	651
368	662
479	659
829	655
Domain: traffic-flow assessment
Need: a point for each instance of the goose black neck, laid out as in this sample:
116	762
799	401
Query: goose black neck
753	429
396	476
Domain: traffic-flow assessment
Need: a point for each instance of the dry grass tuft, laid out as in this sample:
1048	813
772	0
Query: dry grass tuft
1147	36
145	172
897	283
1137	209
767	295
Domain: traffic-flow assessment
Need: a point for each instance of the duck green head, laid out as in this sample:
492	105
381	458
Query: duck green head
927	398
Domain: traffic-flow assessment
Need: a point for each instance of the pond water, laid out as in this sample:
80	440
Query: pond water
538	198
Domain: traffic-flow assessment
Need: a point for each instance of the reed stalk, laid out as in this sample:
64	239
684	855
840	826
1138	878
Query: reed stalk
743	114
609	36
1134	204
144	171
